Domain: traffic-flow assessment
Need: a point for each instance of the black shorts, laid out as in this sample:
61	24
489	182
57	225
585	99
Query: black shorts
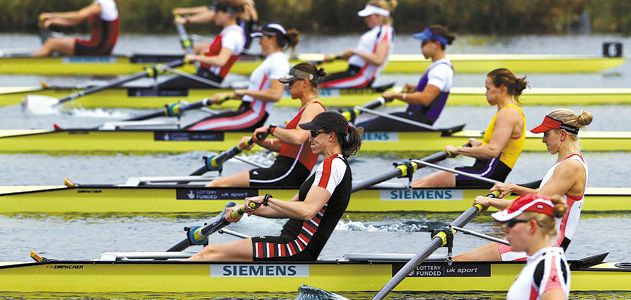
276	248
285	171
489	168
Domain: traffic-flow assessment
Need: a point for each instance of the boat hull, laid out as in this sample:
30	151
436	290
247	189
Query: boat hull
340	277
398	63
174	200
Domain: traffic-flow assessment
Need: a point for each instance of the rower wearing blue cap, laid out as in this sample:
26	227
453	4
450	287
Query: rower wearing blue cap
428	97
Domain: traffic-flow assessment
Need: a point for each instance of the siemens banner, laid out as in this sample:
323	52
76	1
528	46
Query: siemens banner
422	194
259	270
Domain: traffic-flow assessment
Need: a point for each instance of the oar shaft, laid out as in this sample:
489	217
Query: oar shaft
185	39
477	177
179	109
436	243
396	118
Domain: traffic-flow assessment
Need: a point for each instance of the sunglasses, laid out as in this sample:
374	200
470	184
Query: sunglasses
315	133
513	222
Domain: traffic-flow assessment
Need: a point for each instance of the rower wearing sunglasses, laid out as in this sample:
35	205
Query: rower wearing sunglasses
313	213
295	159
529	226
568	177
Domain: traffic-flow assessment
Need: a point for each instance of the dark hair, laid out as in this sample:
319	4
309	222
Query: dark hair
290	40
318	73
513	84
232	7
443	31
351	142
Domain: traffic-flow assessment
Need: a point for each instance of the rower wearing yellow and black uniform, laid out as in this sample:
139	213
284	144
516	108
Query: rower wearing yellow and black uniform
502	142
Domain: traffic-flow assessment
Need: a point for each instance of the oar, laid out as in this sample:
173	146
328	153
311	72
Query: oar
438	240
321	61
185	39
215	162
176	109
400	170
352	113
446	169
35	102
198	235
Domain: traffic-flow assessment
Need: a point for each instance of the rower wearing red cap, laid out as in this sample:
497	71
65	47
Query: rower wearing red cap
529	226
568	177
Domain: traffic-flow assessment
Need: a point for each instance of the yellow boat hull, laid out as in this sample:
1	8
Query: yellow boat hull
58	200
146	141
125	98
340	277
399	63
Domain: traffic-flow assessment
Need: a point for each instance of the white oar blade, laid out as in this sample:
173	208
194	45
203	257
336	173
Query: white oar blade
306	292
40	105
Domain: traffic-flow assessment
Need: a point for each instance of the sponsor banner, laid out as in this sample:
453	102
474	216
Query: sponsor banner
215	194
446	270
422	194
180	136
378	136
89	59
65	267
259	270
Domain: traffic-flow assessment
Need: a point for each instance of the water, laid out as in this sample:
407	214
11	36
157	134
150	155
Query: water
85	237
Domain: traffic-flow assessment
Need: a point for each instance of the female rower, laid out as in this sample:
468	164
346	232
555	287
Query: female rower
247	19
568	177
503	138
264	88
295	159
529	226
426	99
222	53
366	61
103	18
313	213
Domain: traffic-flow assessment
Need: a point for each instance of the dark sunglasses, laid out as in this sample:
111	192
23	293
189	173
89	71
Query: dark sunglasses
315	133
513	222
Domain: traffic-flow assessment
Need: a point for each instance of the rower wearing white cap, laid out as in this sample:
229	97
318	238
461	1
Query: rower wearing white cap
264	89
568	177
370	56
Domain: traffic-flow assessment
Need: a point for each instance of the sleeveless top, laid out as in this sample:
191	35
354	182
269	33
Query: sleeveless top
568	224
513	148
302	152
444	81
545	270
231	37
104	27
275	66
334	175
368	44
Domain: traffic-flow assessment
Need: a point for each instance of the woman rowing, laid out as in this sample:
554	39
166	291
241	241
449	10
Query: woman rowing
426	99
568	177
103	18
503	138
368	59
247	19
223	52
295	159
313	213
529	225
264	89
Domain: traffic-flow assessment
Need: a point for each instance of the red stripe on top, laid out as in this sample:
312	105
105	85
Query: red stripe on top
306	158
213	50
534	294
554	280
326	172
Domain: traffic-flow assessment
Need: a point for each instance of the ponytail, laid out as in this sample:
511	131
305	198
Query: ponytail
351	141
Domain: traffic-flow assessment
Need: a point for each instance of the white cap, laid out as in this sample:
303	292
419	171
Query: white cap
373	10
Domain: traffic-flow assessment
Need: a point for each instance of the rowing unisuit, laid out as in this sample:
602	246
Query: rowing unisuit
104	31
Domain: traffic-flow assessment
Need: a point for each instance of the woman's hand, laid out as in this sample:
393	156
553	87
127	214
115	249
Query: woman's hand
238	94
474	143
189	58
409	88
348	53
221	98
503	188
252	203
391	95
452	151
244	143
229	212
484	201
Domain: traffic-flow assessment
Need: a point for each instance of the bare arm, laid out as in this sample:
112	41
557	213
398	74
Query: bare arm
269	212
298	136
555	294
70	18
316	198
567	178
206	16
378	57
504	123
425	97
189	10
218	60
272	94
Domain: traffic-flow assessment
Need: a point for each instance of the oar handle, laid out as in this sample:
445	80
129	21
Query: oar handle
352	113
185	40
241	211
215	162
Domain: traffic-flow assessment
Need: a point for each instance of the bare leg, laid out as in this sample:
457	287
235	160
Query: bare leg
65	46
240	250
437	179
241	179
488	252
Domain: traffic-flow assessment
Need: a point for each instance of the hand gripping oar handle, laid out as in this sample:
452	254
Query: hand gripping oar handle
321	61
199	234
215	162
150	72
185	39
352	113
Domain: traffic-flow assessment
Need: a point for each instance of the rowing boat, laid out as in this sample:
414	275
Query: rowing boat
136	97
398	63
134	273
160	199
139	141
